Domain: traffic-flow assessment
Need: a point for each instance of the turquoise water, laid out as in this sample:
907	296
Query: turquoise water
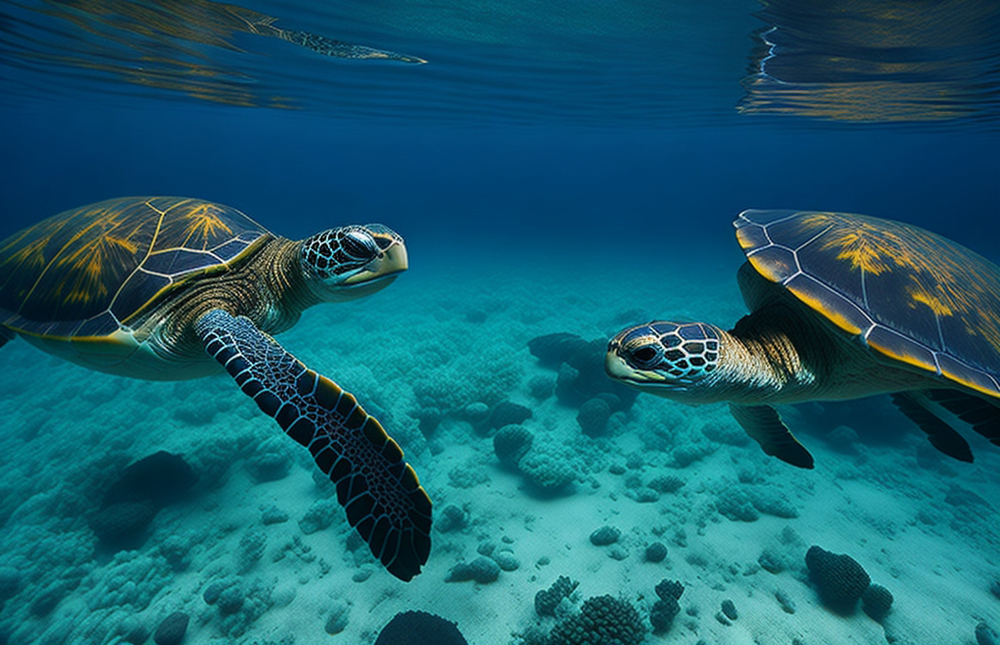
554	167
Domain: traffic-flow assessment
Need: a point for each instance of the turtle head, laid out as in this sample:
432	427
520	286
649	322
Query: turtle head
673	360
352	261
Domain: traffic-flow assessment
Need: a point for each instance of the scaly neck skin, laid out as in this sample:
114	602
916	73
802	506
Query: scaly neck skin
270	289
758	362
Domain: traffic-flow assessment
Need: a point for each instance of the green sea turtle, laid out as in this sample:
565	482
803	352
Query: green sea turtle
842	306
170	288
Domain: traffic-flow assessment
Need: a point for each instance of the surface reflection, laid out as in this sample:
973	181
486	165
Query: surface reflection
884	60
166	44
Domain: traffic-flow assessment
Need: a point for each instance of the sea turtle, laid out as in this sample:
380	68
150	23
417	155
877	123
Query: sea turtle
842	306
171	288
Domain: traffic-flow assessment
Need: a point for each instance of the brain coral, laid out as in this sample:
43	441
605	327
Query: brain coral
420	628
602	620
839	578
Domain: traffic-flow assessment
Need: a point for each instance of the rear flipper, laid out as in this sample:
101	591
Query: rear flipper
380	492
924	407
941	435
764	425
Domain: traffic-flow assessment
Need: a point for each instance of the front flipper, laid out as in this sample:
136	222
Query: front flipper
764	425
379	491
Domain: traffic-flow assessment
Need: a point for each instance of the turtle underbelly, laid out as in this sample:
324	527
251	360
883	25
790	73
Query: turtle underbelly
120	353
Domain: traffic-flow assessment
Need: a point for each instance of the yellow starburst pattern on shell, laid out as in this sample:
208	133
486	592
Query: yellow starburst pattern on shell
102	247
939	274
204	223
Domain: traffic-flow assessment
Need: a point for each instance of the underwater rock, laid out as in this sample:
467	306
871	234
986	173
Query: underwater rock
662	614
267	466
686	454
995	588
428	420
122	525
482	570
580	366
161	478
551	350
176	550
213	591
506	560
787	604
670	589
643	495
476	412
666	484
420	628
771	561
876	602
602	620
541	387
230	599
771	502
250	550
729	609
511	443
172	629
453	518
656	552
604	536
546	470
273	515
735	504
547	600
839	579
593	417
508	413
319	516
336	620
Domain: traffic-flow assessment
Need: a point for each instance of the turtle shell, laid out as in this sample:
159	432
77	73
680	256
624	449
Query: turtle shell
87	272
910	295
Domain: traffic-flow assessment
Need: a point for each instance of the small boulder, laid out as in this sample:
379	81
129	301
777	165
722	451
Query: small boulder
604	536
172	629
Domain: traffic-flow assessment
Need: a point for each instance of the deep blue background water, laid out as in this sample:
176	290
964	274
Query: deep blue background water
544	184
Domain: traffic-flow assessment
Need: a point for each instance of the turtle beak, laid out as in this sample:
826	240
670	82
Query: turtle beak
616	368
383	269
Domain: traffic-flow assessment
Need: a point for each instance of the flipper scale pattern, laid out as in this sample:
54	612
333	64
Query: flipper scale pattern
379	491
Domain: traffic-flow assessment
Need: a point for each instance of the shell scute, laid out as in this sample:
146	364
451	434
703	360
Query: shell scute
88	270
915	297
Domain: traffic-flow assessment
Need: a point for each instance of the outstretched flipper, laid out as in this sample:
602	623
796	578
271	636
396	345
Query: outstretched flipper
941	435
379	491
764	425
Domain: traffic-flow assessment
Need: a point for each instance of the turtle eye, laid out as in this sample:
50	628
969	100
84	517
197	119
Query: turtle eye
644	355
360	245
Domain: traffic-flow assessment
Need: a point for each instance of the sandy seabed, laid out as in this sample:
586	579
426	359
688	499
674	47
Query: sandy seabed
441	343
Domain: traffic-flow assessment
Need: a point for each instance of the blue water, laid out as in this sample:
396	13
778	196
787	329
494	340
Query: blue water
554	167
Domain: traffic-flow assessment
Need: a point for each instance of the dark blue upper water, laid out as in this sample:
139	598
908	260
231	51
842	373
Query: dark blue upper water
539	119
